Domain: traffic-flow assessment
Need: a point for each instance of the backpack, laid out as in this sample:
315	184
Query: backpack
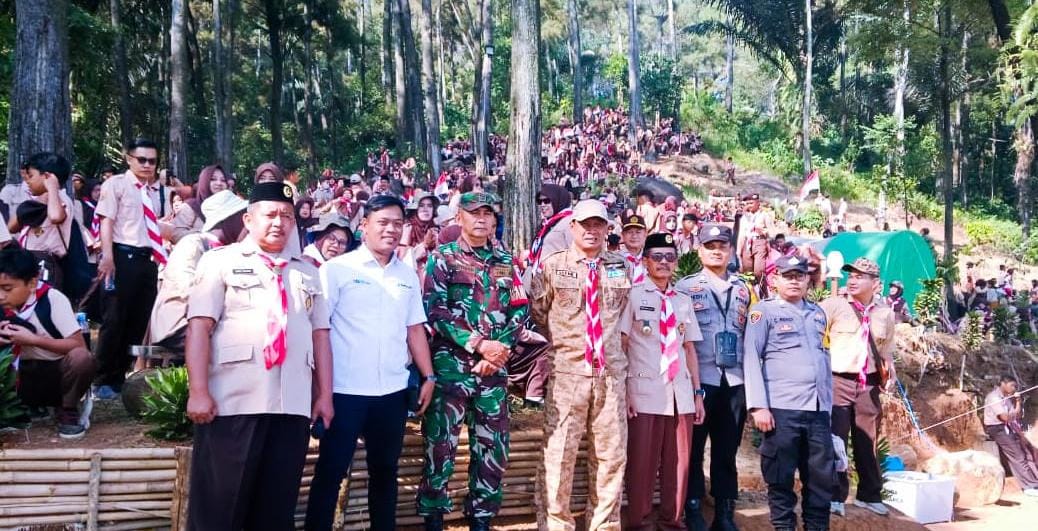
78	273
43	312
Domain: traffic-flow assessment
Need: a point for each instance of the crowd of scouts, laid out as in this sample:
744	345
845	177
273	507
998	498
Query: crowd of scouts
281	348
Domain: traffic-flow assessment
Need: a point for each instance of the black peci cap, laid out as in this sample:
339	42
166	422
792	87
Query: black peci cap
271	191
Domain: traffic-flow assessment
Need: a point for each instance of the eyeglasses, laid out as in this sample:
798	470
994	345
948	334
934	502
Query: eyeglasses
663	257
145	161
342	242
544	201
794	275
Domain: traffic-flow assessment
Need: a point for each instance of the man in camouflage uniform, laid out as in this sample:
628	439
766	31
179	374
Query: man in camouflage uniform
476	305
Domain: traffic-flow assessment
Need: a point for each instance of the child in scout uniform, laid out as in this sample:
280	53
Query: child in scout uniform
789	394
658	329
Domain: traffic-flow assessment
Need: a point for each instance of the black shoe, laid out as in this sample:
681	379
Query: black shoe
434	522
479	524
694	516
724	515
536	405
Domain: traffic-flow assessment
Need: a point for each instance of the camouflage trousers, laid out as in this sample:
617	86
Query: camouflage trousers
482	404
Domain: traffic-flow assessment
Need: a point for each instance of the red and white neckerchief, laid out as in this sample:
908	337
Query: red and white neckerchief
865	335
594	356
151	224
211	241
24	313
637	268
95	222
275	348
670	358
538	242
23	236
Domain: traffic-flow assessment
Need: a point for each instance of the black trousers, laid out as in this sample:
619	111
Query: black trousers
801	440
857	415
1015	453
725	417
245	472
126	312
380	421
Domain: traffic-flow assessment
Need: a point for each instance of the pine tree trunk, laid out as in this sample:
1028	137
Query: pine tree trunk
122	78
896	163
222	93
481	122
308	96
388	51
177	110
634	118
1023	143
522	178
672	43
805	131
403	125
729	68
572	16
277	59
412	77
42	118
944	103
430	87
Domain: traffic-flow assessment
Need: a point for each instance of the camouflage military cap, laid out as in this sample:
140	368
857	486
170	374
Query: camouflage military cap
470	201
863	265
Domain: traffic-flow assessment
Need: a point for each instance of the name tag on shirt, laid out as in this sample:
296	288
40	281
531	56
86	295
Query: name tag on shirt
361	281
243	272
565	273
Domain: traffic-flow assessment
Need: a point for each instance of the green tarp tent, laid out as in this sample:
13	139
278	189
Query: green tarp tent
902	255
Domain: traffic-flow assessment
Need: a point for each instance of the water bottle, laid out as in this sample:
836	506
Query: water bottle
110	283
84	325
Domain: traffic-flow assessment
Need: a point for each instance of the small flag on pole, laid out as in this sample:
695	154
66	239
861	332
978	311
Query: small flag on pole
811	184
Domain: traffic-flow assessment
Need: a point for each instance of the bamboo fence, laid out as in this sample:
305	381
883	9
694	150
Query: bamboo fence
147	488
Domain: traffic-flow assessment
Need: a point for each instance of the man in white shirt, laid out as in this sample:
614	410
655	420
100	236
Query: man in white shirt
377	316
1002	413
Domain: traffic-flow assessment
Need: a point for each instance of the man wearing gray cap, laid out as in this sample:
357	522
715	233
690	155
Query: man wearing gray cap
720	301
789	394
577	300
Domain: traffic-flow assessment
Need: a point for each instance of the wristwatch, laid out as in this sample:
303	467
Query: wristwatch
430	378
699	392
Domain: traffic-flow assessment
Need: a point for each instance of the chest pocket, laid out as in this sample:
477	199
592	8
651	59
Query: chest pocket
245	292
567	291
879	330
785	334
615	285
462	283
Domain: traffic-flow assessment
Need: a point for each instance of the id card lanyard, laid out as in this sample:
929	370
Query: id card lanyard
724	313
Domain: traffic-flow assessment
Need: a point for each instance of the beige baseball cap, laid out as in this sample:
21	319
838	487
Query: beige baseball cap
590	208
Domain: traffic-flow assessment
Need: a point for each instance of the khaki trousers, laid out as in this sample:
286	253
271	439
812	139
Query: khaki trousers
658	444
575	405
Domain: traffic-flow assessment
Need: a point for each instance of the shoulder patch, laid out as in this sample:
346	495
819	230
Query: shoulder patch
755	316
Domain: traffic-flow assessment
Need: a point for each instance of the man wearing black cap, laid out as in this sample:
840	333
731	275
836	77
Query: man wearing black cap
720	301
789	394
658	329
632	238
257	343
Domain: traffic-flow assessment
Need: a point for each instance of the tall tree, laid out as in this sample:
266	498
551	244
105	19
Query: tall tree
430	88
895	165
522	178
272	10
223	59
634	83
481	101
308	95
805	114
122	77
672	43
573	19
388	77
944	32
41	118
729	68
178	84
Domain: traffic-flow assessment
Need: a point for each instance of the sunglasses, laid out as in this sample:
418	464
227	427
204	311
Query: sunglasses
145	161
663	257
544	201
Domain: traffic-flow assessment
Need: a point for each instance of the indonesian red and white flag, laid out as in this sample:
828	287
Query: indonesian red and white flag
811	184
442	187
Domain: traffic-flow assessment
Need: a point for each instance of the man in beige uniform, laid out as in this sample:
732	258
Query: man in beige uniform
257	343
658	330
861	336
586	388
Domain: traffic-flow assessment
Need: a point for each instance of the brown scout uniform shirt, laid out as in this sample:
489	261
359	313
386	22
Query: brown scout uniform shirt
846	348
557	306
235	288
48	237
121	202
648	390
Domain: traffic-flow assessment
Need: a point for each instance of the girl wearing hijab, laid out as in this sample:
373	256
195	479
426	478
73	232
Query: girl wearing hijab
211	180
420	231
305	217
332	237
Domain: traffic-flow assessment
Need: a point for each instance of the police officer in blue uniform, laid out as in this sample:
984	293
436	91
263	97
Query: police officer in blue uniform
789	394
721	301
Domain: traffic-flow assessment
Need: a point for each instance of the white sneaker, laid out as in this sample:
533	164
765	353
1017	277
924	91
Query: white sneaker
837	508
875	507
1031	492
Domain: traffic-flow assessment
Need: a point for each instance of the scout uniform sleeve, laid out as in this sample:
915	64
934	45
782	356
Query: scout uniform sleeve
437	299
541	295
755	344
107	204
207	295
320	313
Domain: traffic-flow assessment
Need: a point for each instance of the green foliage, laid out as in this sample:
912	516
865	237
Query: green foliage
818	294
165	407
810	220
1028	250
1005	323
661	86
12	412
615	71
997	235
688	264
972	331
928	301
1020	85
